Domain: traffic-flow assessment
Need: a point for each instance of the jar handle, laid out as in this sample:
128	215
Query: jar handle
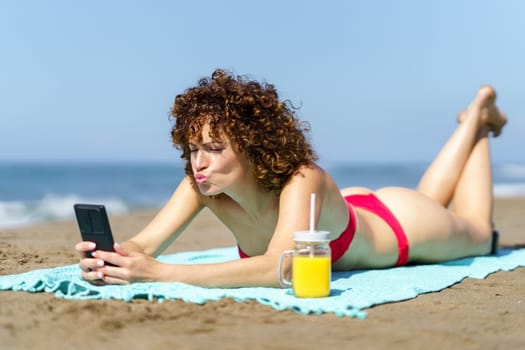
284	282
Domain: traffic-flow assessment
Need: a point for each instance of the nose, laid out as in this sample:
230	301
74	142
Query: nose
200	160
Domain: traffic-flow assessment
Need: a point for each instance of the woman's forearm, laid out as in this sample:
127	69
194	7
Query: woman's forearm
258	271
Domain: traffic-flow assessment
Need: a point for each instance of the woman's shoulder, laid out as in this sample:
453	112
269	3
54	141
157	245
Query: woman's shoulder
310	170
310	174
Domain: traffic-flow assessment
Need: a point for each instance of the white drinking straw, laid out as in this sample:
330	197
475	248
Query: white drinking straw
312	212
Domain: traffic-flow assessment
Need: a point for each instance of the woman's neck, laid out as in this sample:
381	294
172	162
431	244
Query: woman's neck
254	200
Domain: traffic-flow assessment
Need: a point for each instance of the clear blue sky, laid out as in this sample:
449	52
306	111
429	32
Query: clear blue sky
377	80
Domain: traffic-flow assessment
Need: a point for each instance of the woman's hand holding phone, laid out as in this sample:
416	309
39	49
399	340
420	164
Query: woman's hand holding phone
95	230
118	267
102	261
90	265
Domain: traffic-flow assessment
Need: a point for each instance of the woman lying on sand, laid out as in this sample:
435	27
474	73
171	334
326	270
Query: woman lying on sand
249	162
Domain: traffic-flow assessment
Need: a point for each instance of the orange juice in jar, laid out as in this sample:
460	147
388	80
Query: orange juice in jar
311	265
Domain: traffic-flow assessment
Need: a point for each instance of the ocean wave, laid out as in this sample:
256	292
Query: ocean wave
52	207
505	190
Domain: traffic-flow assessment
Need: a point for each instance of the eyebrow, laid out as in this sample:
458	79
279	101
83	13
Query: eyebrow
206	143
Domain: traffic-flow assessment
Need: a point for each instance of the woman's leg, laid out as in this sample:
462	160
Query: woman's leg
473	196
461	173
442	177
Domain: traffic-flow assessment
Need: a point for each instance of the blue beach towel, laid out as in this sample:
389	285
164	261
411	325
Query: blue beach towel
351	291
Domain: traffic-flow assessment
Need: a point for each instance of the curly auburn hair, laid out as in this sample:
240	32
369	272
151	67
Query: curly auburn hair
250	114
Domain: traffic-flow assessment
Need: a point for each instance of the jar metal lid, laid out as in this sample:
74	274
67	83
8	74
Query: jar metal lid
312	236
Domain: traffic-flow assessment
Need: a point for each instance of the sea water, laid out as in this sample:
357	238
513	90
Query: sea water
38	191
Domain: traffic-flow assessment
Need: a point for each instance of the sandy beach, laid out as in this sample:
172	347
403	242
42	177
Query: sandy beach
474	314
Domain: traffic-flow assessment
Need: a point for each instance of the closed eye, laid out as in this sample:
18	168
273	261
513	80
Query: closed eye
215	147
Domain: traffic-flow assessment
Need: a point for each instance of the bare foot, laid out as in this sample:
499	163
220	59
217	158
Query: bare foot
489	114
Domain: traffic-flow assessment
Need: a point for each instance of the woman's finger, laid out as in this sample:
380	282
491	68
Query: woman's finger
92	275
85	246
114	280
116	272
91	264
118	249
109	257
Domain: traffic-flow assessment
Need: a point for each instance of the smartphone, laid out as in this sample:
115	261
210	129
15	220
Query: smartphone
94	226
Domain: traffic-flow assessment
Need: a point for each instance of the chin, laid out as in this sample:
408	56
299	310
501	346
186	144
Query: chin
207	190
